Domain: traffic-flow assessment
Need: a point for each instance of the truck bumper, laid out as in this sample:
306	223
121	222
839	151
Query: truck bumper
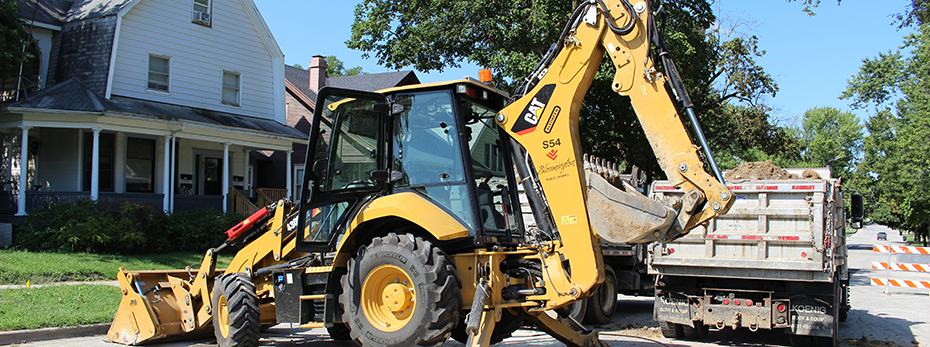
801	315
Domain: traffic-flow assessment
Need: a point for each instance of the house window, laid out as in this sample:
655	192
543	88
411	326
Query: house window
107	161
159	68
230	88
140	165
298	182
201	13
493	158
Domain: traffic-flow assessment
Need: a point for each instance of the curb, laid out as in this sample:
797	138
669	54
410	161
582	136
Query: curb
23	336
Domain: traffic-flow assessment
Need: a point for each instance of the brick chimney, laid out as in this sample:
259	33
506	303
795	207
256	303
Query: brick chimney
317	73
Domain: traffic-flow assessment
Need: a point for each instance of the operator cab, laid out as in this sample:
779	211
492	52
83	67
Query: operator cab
437	140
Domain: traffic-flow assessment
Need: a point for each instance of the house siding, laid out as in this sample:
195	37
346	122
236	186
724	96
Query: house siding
198	55
84	52
57	163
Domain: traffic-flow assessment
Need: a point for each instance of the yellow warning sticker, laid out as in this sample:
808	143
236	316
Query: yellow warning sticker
644	90
573	219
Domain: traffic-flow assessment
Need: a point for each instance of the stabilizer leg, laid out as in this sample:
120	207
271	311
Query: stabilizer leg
563	332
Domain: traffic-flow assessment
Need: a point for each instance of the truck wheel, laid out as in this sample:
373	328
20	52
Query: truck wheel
692	333
671	330
574	312
602	304
339	332
801	340
236	317
400	291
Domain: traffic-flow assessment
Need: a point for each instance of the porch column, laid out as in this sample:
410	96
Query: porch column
95	167
289	179
23	171
245	169
172	170
225	175
166	173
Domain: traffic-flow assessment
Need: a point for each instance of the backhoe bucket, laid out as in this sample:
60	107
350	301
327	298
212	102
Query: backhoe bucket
620	216
161	304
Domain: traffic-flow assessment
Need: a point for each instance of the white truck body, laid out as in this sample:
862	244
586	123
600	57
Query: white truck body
783	241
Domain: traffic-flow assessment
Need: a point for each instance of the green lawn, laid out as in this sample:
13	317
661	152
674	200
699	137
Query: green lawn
32	308
17	267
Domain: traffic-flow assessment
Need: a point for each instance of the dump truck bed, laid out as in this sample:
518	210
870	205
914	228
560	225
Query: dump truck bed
777	229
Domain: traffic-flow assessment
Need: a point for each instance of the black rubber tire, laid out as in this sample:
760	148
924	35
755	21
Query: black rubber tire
603	303
671	330
801	340
692	333
438	299
576	312
339	332
241	312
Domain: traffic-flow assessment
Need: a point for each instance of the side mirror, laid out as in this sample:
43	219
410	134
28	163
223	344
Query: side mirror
858	211
386	176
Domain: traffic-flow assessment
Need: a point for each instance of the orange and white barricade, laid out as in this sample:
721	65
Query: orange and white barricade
888	282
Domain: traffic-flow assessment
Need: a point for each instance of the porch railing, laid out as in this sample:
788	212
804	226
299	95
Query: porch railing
8	203
39	199
197	202
240	204
154	200
268	196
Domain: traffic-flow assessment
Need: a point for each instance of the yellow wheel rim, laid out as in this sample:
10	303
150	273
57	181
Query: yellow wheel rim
388	298
223	314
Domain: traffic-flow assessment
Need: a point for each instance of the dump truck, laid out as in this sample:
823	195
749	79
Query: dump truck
776	261
625	265
405	231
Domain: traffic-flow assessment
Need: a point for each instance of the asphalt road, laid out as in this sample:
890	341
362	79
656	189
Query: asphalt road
899	318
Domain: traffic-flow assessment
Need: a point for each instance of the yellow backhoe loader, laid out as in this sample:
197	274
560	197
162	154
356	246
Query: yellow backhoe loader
408	228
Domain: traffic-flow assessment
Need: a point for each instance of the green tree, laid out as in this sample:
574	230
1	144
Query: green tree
336	68
17	46
896	156
832	137
510	37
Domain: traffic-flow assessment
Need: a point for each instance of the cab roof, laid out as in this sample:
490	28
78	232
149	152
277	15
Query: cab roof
449	84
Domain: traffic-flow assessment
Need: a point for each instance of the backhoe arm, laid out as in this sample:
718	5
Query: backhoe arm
544	122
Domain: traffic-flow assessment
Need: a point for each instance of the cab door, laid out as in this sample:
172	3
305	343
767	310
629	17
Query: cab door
347	144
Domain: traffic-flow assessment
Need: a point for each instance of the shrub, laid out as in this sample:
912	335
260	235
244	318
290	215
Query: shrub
123	228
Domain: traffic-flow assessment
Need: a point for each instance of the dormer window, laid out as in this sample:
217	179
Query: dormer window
201	13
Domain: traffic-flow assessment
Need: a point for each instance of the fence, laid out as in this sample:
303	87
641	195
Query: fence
888	282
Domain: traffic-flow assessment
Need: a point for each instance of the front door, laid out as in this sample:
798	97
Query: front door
209	172
347	143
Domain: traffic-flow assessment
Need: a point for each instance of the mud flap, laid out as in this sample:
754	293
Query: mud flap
675	309
813	317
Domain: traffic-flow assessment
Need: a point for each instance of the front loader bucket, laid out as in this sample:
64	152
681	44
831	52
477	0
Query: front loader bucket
161	304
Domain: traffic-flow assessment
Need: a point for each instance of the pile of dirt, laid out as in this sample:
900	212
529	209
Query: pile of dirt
765	170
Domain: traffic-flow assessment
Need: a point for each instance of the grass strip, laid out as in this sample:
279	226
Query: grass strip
17	267
57	306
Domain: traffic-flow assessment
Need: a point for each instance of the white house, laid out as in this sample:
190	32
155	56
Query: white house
155	101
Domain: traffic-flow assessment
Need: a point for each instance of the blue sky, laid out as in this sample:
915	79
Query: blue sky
811	58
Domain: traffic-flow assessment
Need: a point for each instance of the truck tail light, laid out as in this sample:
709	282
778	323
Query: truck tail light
726	301
748	302
736	302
